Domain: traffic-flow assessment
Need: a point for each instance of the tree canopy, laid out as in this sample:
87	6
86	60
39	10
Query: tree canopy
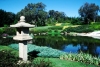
34	13
89	12
6	18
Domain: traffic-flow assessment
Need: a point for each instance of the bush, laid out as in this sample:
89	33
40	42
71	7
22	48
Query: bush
9	30
8	59
81	57
42	51
6	41
42	63
80	29
1	30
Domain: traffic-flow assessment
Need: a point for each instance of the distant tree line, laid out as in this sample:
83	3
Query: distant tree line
6	18
35	14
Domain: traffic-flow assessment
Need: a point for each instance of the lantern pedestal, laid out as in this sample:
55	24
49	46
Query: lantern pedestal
23	50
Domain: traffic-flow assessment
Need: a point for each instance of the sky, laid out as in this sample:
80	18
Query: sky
69	7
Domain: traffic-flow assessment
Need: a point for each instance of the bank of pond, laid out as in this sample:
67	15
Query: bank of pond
74	48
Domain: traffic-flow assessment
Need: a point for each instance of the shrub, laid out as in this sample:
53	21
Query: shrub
81	57
1	30
80	29
9	30
6	41
42	51
7	59
42	63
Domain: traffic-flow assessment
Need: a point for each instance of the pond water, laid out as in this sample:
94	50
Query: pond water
72	44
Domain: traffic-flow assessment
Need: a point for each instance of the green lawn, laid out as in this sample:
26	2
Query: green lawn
56	62
68	28
9	48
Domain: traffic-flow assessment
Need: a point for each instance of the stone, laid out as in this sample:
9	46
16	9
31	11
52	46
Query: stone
22	35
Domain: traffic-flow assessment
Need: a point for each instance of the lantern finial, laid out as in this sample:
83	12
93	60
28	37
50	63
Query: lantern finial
22	18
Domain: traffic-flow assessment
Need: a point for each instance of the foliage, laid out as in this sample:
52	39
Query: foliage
81	57
76	21
39	29
6	41
45	29
9	30
6	18
67	27
36	63
56	62
89	12
98	18
1	30
54	32
42	63
56	15
34	13
42	51
8	59
84	28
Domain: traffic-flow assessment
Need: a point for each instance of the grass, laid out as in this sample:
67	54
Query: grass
56	62
9	49
68	27
5	48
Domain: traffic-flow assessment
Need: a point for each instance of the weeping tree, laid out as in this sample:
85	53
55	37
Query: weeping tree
34	13
89	12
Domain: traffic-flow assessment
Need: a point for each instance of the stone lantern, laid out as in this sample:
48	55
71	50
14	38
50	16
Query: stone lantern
22	35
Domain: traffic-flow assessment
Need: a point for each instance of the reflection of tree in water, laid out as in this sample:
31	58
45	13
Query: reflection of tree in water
82	48
87	45
89	48
39	41
54	42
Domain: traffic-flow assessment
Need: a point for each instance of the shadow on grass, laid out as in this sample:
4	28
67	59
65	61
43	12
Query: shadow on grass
33	54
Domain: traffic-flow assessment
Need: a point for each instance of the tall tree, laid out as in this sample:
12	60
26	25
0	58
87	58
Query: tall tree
34	13
89	12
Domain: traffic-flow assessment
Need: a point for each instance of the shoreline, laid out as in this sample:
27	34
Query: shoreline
95	34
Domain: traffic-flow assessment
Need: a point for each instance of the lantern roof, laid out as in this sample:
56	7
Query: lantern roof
22	23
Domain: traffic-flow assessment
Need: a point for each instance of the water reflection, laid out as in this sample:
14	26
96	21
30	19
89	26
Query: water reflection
70	43
71	48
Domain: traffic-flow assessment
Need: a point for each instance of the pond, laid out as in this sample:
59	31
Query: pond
72	44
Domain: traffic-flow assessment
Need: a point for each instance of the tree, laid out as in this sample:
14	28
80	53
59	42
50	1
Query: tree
56	15
76	20
89	12
6	18
98	18
34	13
